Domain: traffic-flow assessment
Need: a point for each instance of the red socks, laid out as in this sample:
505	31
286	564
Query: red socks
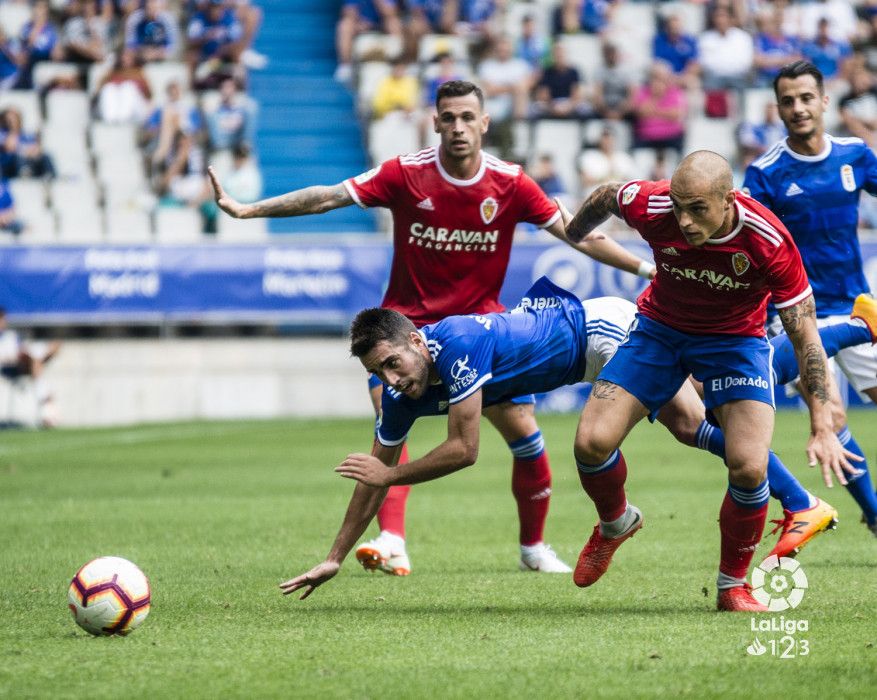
741	531
391	514
531	486
604	483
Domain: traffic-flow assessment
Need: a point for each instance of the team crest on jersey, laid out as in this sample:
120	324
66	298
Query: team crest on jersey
367	175
489	207
740	263
848	178
628	194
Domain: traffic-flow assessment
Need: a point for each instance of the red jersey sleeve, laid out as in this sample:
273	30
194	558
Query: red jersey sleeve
785	276
535	207
642	202
377	187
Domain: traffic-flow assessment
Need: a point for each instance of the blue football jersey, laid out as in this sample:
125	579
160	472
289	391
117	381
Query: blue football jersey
817	198
538	346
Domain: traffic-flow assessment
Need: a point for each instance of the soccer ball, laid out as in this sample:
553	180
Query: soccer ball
109	595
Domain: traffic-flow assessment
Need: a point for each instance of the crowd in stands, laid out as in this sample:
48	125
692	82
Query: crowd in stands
582	91
110	111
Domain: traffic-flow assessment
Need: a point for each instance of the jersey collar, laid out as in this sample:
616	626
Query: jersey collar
822	155
725	239
456	181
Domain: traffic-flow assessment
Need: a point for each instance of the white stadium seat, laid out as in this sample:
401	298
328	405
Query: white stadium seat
754	101
128	225
45	72
113	139
163	73
372	46
180	225
31	206
692	14
13	17
370	74
81	224
713	134
433	44
68	150
242	230
563	140
583	51
70	108
96	73
391	136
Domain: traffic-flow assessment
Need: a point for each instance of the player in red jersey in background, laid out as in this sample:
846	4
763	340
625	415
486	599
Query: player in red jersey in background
720	256
455	209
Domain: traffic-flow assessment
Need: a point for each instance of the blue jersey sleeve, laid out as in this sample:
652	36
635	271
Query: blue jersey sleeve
465	361
870	184
757	186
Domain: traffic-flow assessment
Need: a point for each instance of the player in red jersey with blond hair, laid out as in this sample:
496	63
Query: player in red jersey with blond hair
455	209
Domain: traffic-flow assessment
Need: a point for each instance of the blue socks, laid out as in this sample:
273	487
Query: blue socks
860	487
783	485
834	339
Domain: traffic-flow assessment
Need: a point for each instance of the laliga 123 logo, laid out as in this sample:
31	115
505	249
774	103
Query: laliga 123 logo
779	583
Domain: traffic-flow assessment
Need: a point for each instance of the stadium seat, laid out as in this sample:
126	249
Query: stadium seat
433	44
583	51
563	140
13	17
372	46
370	74
180	225
68	150
462	68
242	230
47	71
754	101
516	11
161	74
118	140
644	159
70	108
622	130
391	136
80	225
66	194
127	224
96	73
713	134
27	102
31	206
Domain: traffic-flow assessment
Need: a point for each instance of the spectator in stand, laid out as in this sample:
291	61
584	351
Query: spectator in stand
85	35
23	359
38	42
829	55
839	14
678	49
506	82
773	48
123	94
589	16
532	44
233	122
21	153
151	32
754	138
545	175
429	17
177	113
243	181
660	109
560	93
399	91
358	16
475	19
613	86
726	54
447	71
8	62
250	17
858	108
605	163
180	177
214	45
9	221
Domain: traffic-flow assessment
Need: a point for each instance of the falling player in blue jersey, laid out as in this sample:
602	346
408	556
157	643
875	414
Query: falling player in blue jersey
463	364
813	181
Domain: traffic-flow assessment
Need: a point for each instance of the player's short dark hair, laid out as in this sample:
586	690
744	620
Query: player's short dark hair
795	70
371	326
458	88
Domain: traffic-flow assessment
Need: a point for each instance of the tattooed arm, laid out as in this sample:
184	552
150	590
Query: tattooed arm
597	207
310	200
799	322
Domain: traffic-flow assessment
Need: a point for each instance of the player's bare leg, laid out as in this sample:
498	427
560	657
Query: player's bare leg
608	416
804	515
748	428
531	482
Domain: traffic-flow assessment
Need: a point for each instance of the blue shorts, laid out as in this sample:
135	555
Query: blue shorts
655	360
374	383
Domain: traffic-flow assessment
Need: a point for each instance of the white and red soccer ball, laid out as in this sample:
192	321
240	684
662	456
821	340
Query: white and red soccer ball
109	595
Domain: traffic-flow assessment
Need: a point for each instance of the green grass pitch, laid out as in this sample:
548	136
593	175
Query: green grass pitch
217	514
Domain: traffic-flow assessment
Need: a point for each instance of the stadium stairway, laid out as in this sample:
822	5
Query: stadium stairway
308	131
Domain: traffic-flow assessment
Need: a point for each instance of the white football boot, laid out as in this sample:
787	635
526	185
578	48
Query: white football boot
386	553
540	557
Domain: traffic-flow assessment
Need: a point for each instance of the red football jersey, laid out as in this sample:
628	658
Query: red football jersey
722	286
451	238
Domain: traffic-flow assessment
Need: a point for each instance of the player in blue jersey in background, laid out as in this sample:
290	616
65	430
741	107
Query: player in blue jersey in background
813	182
466	365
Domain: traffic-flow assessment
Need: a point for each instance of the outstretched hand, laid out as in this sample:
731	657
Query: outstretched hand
366	469
826	451
229	205
311	579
